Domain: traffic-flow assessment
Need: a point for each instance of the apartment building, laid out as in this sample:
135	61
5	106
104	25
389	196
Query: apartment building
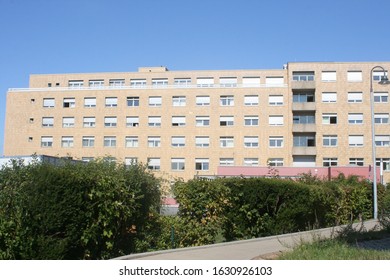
188	123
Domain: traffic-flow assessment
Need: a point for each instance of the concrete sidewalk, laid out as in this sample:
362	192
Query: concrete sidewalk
245	249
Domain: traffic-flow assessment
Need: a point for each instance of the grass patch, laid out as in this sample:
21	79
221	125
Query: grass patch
342	247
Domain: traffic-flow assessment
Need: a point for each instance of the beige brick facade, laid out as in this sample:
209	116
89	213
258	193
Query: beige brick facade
189	122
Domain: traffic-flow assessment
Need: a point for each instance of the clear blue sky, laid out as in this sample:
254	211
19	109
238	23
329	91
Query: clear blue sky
62	36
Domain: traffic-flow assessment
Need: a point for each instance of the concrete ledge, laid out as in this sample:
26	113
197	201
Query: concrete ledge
245	249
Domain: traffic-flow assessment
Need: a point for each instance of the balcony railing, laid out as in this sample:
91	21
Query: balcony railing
84	88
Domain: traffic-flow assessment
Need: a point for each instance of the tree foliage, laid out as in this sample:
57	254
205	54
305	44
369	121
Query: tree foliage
93	210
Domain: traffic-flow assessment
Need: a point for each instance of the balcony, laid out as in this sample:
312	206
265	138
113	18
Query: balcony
303	85
304	151
303	80
304	106
307	127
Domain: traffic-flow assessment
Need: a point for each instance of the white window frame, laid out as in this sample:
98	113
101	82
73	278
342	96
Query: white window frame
203	100
205	82
96	83
155	101
329	140
159	82
275	100
251	100
202	121
117	83
89	122
178	101
154	141
178	164
251	82
330	161
251	141
329	118
89	102
251	120
131	142
178	141
355	118
381	97
132	121
88	141
356	161
226	161
68	122
46	141
381	118
276	141
154	121
109	141
276	162
202	141
202	164
382	140
226	100
329	97
138	83
251	162
111	102
47	122
182	82
329	76
75	83
69	102
226	141
354	76
226	121
178	121
132	101
355	97
154	164
228	81
110	121
67	142
48	103
355	140
276	120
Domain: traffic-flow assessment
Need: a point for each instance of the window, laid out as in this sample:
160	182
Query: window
132	101
111	102
182	82
178	121
251	120
117	82
132	121
47	121
90	102
154	141
131	141
131	161
226	161
89	122
154	121
154	163
201	164
381	97
354	76
304	140
303	76
276	141
251	81
109	141
68	122
385	163
88	141
226	100
377	75
303	97
155	101
69	103
137	83
178	101
251	141
177	164
275	100
355	97
110	121
226	141
326	162
275	162
178	141
251	100
202	141
328	76
356	140
226	120
46	141
96	83
202	120
275	120
251	161
356	161
205	82
329	97
274	81
48	102
203	100
329	118
159	83
303	118
87	159
228	82
382	140
67	141
329	140
381	118
75	83
355	118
